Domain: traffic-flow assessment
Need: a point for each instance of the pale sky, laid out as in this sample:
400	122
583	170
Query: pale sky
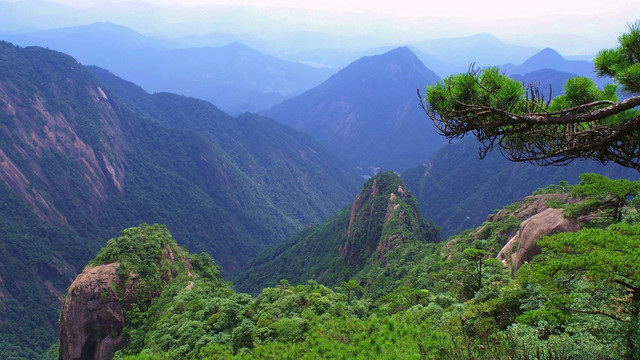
476	11
594	24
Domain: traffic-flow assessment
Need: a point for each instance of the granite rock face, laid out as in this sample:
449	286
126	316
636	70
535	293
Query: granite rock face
93	316
522	246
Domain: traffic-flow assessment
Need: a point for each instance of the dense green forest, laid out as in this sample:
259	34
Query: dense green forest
453	299
378	228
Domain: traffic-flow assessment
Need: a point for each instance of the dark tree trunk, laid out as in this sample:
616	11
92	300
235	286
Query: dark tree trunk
633	333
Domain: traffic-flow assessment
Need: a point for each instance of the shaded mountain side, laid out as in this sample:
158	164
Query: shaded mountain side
457	190
77	165
356	243
549	82
290	167
368	112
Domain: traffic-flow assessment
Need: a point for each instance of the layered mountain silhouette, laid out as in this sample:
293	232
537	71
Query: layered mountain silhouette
368	113
457	54
550	59
234	77
549	82
549	67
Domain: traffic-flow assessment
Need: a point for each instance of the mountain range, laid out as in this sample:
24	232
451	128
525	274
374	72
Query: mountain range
479	49
82	158
85	153
234	77
219	68
550	59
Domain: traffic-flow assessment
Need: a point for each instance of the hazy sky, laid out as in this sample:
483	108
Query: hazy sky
476	11
576	26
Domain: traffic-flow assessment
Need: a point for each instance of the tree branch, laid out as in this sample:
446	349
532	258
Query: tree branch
593	312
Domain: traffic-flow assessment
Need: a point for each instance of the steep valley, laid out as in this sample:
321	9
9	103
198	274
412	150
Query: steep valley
78	164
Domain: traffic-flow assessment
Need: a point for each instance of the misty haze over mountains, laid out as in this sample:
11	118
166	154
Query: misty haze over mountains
224	70
293	31
359	102
353	94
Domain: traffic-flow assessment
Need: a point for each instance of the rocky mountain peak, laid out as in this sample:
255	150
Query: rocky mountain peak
382	216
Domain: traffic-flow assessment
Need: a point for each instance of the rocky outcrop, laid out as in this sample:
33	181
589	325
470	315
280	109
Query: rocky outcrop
531	205
383	216
522	246
93	316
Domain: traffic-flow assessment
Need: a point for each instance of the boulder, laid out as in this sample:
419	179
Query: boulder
92	317
522	246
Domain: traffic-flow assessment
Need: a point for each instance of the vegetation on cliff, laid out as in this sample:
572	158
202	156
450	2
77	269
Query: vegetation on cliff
366	241
450	299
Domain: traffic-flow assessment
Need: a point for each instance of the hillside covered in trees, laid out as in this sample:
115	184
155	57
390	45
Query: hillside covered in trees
450	299
82	158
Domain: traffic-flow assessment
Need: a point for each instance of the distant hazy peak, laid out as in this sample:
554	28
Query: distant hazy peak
238	45
403	51
546	55
400	54
105	26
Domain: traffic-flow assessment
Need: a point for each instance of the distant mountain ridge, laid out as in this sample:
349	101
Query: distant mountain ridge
550	59
234	77
479	49
368	113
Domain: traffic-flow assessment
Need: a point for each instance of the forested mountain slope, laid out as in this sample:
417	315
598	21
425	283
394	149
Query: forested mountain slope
457	189
288	166
368	112
360	242
77	164
444	300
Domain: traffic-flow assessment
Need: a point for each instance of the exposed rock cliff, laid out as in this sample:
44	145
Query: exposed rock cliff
93	316
62	119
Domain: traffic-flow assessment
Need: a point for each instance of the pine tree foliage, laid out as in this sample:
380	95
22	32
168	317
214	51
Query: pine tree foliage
525	125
